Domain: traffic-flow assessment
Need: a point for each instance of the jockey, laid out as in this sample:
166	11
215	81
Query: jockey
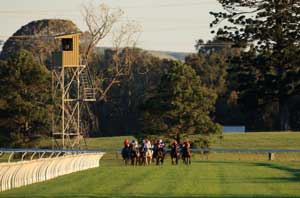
174	145
134	144
147	145
187	143
161	145
126	143
155	146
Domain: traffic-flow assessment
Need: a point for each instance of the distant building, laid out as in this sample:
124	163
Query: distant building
234	129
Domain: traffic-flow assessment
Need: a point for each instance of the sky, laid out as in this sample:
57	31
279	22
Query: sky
168	25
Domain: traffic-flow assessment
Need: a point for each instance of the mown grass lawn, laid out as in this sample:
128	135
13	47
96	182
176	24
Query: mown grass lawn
213	175
250	140
201	179
259	140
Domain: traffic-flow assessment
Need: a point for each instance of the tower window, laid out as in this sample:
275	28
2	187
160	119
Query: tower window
67	44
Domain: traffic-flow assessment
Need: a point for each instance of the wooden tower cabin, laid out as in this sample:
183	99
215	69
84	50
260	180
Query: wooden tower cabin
71	86
68	56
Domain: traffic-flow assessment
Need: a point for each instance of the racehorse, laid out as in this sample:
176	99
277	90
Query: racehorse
149	155
154	152
142	157
175	154
186	155
134	155
126	155
145	156
160	156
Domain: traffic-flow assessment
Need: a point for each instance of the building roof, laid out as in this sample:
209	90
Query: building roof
69	35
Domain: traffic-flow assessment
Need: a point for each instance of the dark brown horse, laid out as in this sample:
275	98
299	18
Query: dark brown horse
126	155
186	155
134	155
160	156
142	156
174	154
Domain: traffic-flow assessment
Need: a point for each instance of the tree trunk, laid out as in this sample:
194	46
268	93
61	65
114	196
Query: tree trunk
284	113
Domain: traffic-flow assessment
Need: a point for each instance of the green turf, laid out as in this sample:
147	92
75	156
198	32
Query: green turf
258	140
201	179
269	140
255	140
213	175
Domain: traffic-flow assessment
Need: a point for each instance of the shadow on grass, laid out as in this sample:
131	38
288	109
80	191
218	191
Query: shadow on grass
294	172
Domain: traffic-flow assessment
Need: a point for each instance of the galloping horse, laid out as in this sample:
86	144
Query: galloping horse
149	155
126	155
186	155
175	154
160	156
154	152
142	157
134	155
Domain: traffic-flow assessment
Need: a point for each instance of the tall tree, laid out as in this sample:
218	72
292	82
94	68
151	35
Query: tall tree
181	104
101	21
270	31
120	113
25	99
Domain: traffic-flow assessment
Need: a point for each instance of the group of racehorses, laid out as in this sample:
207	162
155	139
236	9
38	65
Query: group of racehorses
142	156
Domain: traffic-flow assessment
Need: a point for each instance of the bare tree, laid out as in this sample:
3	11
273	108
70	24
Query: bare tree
124	41
101	21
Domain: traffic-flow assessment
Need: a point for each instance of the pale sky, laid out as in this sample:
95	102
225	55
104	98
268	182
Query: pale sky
169	25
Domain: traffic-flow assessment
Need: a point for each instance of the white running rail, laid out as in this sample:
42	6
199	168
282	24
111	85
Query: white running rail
22	173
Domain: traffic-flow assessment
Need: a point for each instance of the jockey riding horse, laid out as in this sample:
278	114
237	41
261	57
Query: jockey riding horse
160	153
134	153
126	152
174	152
186	152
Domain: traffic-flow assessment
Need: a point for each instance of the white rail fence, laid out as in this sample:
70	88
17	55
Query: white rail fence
25	172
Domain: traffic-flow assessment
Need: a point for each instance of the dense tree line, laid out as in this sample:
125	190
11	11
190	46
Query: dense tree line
25	100
266	72
248	75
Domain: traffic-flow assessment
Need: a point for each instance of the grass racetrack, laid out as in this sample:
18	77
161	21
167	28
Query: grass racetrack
201	179
232	175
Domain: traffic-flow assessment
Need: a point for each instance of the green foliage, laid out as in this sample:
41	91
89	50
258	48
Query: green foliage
211	64
25	99
268	72
119	114
211	67
181	104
